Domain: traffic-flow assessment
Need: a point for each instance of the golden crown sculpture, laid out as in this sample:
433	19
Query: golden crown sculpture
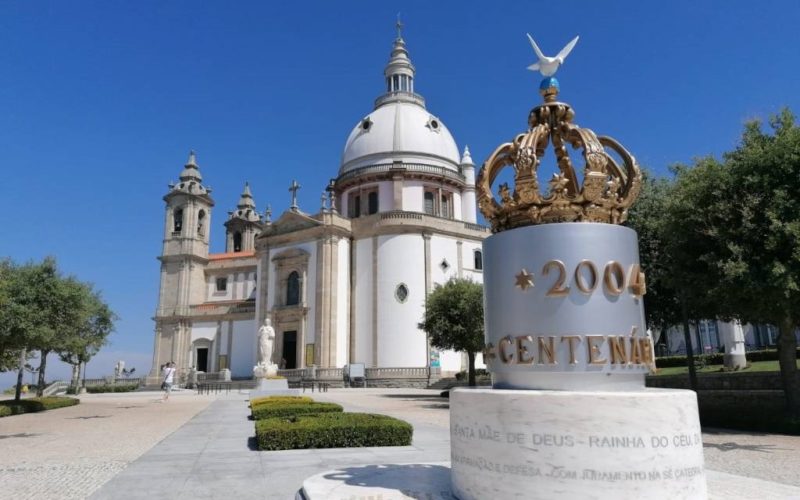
607	192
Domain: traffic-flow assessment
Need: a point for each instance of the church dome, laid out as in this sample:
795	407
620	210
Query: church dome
400	131
400	128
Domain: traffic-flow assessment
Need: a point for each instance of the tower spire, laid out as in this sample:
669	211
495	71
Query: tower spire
246	199
399	71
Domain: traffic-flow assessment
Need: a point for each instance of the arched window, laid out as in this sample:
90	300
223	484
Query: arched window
177	220
372	203
478	260
293	289
201	220
428	202
237	241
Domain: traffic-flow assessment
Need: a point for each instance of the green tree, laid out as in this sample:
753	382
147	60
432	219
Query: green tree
733	228
647	218
26	321
92	333
761	267
454	319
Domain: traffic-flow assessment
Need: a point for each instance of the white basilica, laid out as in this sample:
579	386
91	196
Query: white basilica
344	285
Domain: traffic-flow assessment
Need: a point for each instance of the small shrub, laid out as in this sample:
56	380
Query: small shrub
332	430
479	372
96	389
264	411
32	405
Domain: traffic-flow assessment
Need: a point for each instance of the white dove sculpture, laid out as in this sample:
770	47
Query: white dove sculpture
548	66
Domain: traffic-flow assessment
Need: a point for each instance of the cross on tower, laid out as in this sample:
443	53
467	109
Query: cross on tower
293	188
399	26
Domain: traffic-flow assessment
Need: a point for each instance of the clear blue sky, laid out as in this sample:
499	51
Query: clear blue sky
101	101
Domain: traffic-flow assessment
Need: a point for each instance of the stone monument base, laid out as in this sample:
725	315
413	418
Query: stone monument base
564	444
273	387
431	481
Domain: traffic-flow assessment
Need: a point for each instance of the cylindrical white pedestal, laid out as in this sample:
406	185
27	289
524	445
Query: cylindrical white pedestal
553	444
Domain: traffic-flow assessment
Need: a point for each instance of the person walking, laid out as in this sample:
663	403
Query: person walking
169	378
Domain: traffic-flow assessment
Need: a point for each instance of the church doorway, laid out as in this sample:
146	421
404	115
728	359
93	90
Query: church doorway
202	359
289	355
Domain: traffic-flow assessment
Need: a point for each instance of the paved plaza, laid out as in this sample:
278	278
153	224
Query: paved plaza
129	446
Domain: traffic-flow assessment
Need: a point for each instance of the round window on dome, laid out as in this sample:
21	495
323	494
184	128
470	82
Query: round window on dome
433	124
366	123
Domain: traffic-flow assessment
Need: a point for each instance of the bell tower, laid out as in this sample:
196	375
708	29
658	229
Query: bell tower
243	225
183	259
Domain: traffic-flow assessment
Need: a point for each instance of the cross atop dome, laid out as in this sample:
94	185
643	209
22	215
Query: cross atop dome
399	26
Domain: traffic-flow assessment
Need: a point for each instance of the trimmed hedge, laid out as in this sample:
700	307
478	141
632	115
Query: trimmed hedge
332	430
95	389
32	405
280	400
717	358
264	411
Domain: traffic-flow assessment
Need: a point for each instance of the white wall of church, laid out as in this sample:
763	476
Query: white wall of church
412	196
343	303
243	348
204	330
385	196
450	361
401	259
443	248
363	305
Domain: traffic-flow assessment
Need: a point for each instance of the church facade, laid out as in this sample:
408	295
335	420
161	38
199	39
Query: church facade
344	285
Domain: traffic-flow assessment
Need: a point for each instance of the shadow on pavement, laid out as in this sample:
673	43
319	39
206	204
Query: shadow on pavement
408	479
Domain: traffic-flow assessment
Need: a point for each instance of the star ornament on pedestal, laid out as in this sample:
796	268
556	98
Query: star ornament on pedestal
524	280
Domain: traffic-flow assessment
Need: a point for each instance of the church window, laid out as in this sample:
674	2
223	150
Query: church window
478	260
177	220
401	293
429	202
222	284
366	123
446	206
237	241
355	208
201	220
293	289
444	265
372	203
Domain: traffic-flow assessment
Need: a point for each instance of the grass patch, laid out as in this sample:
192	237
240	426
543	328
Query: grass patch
332	430
32	405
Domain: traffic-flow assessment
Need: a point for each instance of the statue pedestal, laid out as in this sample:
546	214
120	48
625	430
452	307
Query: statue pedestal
558	444
273	387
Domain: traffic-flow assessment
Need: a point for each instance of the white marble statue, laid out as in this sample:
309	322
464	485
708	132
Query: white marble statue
266	339
548	66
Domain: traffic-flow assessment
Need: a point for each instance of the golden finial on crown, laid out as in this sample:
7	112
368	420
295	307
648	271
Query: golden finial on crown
608	189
